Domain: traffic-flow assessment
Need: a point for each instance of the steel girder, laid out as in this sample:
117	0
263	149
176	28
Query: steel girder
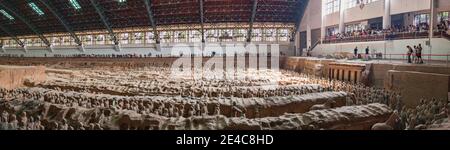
302	5
24	20
252	19
14	37
101	13
152	20
202	20
62	21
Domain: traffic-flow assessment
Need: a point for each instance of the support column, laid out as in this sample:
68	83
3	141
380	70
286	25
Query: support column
349	76
329	73
322	22
342	16
332	73
338	73
433	23
433	16
308	36
387	14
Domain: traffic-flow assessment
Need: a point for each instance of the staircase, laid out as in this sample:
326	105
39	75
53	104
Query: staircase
315	45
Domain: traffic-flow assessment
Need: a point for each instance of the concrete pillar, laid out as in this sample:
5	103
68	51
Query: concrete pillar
334	74
297	50
308	36
329	73
322	23
387	14
338	76
342	16
352	78
433	16
358	76
349	76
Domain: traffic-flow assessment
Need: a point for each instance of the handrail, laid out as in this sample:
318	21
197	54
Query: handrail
377	37
429	55
315	45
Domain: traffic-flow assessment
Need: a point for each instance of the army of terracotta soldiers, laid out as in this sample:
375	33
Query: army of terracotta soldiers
158	83
428	112
188	101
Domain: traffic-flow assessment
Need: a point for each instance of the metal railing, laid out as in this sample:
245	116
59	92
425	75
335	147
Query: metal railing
377	37
427	58
441	34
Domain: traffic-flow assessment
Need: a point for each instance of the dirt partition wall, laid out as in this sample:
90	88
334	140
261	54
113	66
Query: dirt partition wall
14	76
416	85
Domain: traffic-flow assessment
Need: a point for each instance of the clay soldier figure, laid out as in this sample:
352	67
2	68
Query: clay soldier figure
191	111
181	109
349	101
81	126
166	112
171	110
91	126
4	121
4	118
204	109
150	107
176	113
257	111
13	123
398	104
236	110
448	110
23	120
64	125
198	109
217	109
38	125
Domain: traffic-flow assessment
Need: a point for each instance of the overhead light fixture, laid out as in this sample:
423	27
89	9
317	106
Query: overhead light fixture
75	4
36	9
6	14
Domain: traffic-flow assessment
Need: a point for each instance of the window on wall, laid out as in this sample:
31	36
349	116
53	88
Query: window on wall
55	41
149	37
226	35
240	34
166	36
100	39
195	36
212	35
138	38
256	35
421	19
355	3
283	35
443	16
332	6
354	27
270	35
66	40
180	36
87	39
332	31
124	38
